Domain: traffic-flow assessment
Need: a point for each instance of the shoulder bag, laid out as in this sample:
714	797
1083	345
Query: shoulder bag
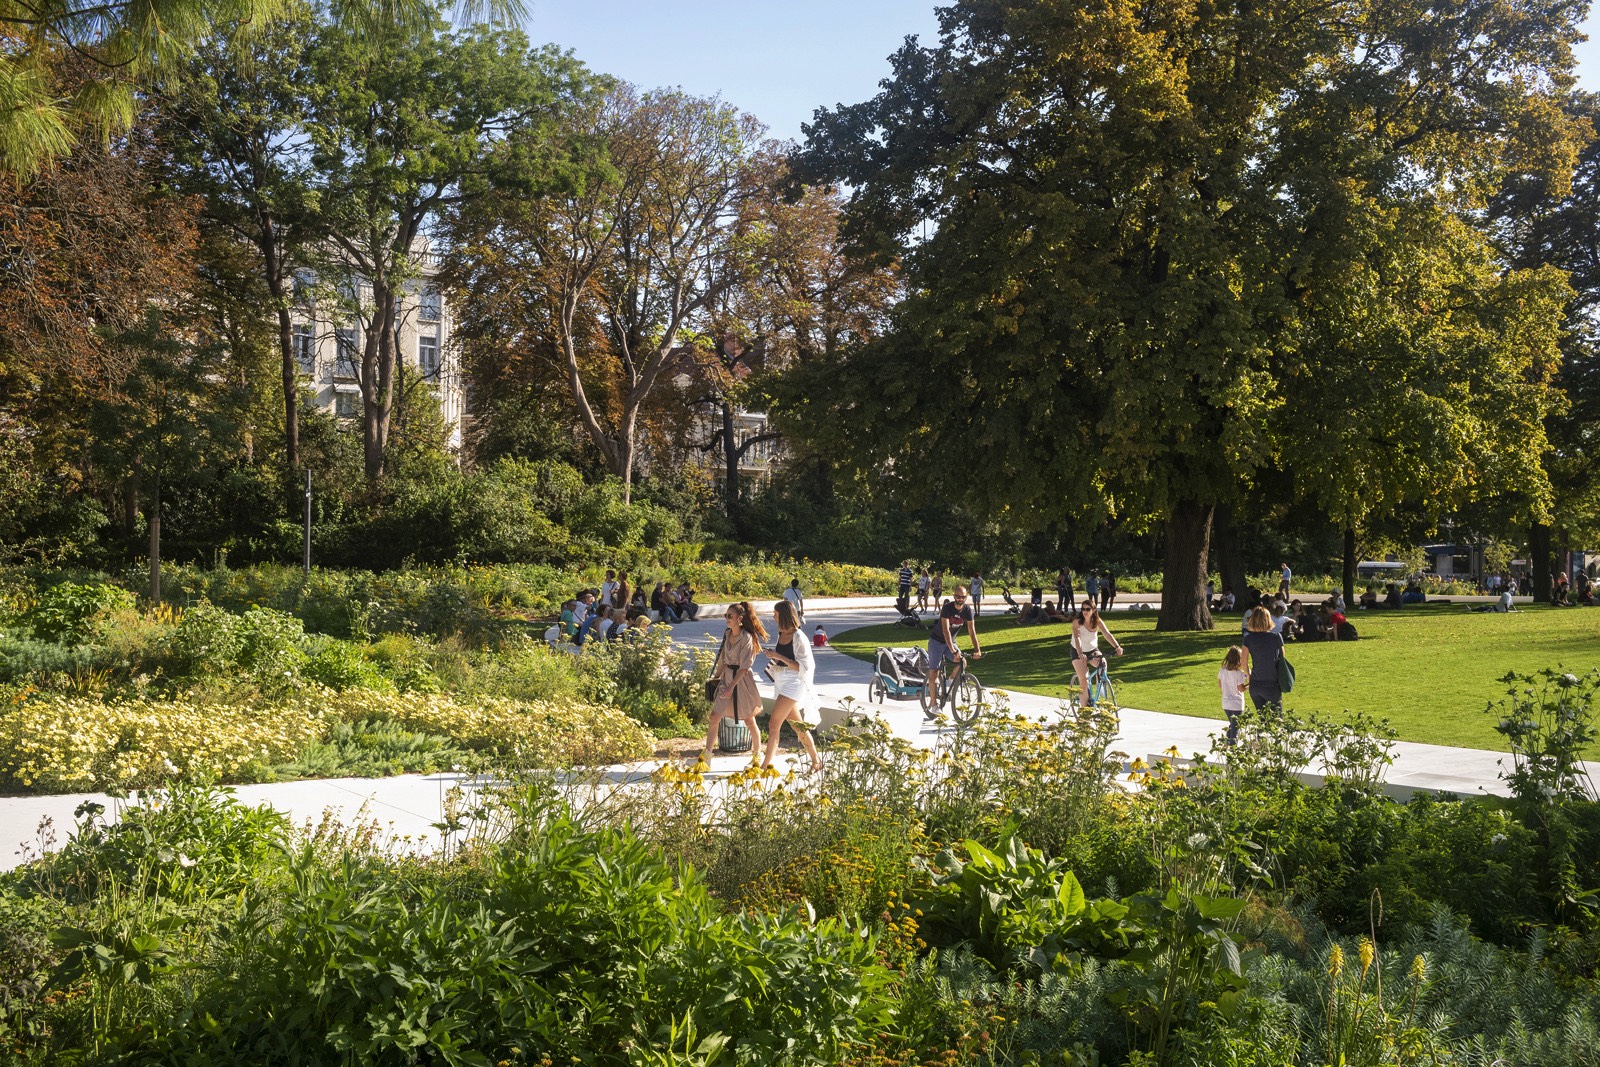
712	684
1285	674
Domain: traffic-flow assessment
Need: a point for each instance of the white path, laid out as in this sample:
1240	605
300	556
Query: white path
407	806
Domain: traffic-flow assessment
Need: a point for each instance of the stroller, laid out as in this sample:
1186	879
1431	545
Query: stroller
898	673
908	614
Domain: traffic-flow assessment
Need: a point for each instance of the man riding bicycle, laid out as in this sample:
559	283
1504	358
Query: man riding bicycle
942	638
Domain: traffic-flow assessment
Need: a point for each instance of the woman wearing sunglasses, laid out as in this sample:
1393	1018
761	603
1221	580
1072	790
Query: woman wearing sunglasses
736	681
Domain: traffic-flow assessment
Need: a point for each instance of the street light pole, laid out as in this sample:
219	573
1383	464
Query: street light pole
306	564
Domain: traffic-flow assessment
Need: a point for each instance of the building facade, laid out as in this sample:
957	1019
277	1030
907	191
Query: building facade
330	334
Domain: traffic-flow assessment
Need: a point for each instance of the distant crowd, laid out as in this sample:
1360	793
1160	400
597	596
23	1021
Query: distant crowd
618	609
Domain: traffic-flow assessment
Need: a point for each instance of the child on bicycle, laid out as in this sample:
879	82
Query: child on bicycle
1086	631
942	636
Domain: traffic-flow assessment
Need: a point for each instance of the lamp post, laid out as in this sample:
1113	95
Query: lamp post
306	561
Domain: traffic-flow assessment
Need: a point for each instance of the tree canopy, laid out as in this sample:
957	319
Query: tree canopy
1140	239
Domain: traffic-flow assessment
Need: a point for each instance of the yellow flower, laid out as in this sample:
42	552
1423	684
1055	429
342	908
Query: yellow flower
1336	961
1365	952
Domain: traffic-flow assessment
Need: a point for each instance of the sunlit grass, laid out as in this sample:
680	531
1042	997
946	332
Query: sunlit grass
1430	670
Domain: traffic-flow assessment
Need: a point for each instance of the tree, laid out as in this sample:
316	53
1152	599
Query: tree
613	269
404	125
47	103
85	249
161	425
1539	222
791	293
1129	211
234	125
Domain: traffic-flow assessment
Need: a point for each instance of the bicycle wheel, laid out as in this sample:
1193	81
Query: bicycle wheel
928	697
877	692
966	703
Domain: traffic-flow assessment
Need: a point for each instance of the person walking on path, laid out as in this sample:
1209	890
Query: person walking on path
796	598
904	587
977	594
1086	631
1262	649
1091	588
1064	597
937	586
734	672
1284	575
792	667
1108	591
942	637
922	590
1234	683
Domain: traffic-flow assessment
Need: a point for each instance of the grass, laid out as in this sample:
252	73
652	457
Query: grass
1430	670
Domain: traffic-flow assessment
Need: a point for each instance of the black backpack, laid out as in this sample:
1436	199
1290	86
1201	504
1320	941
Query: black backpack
1347	631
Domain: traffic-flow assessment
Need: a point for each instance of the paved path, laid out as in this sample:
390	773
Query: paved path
407	806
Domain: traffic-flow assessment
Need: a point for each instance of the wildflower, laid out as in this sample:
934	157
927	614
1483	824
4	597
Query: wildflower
1365	952
1336	961
1419	967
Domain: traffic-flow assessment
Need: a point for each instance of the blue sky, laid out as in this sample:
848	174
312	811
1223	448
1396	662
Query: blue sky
778	61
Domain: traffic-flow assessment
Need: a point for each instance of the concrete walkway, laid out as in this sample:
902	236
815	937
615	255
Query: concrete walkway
407	807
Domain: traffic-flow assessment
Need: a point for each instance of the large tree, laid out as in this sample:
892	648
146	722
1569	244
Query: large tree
234	125
612	271
1116	217
404	125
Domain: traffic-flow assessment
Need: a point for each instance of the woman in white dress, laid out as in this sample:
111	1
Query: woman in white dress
792	666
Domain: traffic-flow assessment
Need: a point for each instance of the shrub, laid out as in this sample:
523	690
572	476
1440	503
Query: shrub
343	665
572	946
70	612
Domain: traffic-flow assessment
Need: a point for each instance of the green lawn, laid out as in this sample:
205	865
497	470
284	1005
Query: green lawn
1429	670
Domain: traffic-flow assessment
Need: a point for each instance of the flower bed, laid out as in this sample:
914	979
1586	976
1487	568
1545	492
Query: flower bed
56	743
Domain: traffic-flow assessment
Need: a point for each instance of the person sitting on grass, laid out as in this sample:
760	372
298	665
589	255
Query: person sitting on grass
1053	613
1392	599
1369	599
1585	589
1501	606
569	620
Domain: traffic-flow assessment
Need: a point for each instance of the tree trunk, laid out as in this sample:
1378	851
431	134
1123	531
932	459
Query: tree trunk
291	405
1183	579
377	382
1227	551
1349	583
1539	561
155	540
730	482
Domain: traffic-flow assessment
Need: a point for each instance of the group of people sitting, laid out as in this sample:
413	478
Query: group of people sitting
1566	592
617	610
1294	621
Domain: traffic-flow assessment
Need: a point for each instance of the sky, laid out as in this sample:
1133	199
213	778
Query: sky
779	60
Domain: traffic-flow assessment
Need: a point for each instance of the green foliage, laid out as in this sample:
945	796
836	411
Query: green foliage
372	748
1015	905
571	945
69	612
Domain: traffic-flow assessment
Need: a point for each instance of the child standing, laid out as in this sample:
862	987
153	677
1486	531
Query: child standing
1234	682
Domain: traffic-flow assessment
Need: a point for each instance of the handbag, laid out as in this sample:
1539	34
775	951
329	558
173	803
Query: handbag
712	684
1285	674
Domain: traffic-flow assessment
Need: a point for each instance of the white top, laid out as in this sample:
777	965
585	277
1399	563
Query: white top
1230	681
1080	642
792	595
607	587
922	583
580	612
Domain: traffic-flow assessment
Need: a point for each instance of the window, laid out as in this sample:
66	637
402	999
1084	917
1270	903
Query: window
349	354
304	342
432	305
428	355
347	405
305	288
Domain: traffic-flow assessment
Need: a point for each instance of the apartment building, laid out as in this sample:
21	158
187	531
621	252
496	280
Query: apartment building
330	322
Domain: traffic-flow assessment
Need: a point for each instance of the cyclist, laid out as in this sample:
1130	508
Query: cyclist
1086	631
942	637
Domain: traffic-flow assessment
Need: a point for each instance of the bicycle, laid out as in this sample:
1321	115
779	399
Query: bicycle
960	693
1101	689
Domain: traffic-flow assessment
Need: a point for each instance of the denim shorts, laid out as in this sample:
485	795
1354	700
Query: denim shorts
938	652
